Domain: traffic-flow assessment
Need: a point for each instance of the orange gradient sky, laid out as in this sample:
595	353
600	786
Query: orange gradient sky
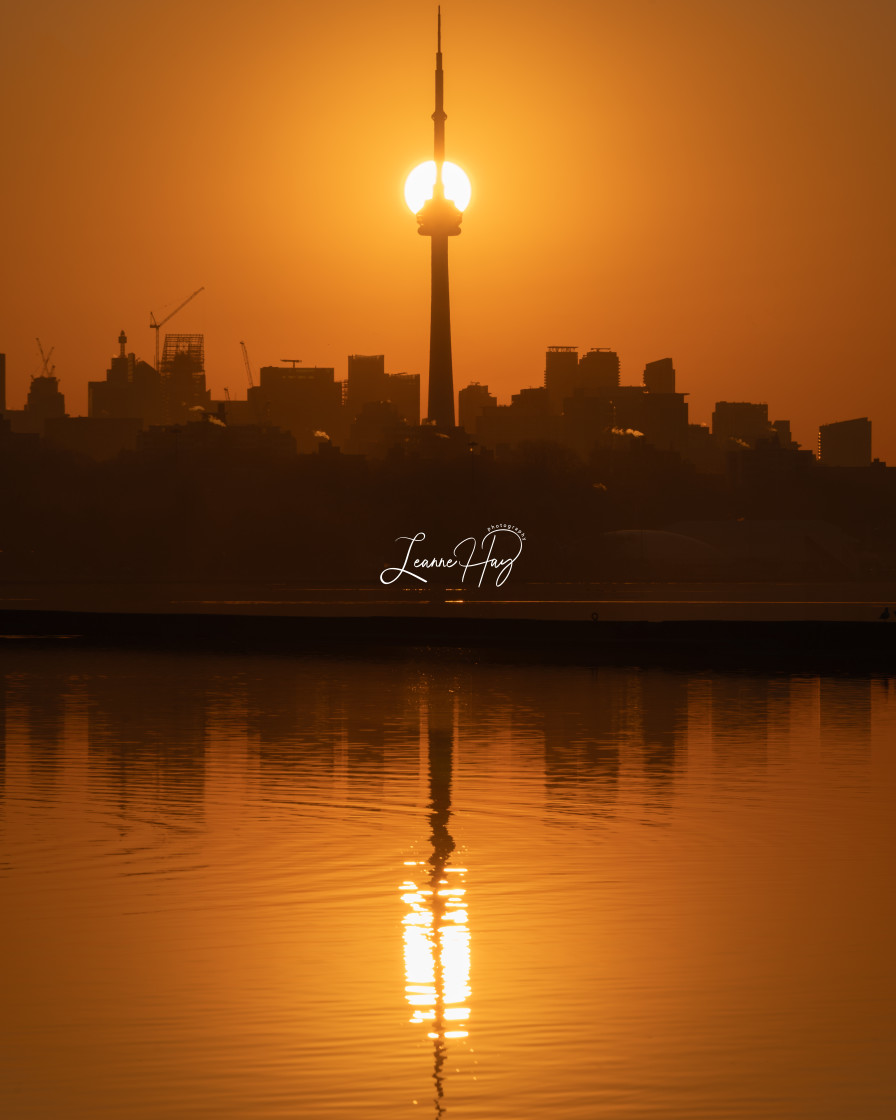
706	180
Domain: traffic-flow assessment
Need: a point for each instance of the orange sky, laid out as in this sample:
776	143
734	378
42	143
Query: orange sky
706	180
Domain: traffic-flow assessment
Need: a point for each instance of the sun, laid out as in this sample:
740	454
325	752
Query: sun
419	185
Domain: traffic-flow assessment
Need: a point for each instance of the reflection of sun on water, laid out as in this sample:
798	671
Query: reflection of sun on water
437	951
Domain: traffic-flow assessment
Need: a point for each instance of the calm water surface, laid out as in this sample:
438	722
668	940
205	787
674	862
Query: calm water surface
320	888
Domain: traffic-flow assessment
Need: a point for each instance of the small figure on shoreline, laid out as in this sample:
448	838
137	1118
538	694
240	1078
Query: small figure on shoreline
885	614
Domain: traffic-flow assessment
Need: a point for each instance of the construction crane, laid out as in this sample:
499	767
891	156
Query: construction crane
227	394
158	326
248	367
295	361
47	370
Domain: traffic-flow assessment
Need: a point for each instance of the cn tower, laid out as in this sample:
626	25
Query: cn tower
438	219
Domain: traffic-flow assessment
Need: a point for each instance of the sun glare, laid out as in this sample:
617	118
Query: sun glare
419	185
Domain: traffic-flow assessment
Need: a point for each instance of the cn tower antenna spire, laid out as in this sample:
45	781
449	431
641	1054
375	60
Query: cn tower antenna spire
438	219
439	116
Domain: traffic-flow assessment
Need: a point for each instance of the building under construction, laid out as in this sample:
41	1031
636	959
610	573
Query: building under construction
183	378
134	390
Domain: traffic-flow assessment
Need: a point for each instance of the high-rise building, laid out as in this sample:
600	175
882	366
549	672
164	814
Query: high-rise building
561	372
132	390
742	421
527	417
366	382
183	377
2	382
782	435
45	401
659	376
403	390
599	370
471	403
846	443
304	400
531	402
565	373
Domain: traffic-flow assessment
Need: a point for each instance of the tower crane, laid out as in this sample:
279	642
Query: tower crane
47	370
248	367
157	326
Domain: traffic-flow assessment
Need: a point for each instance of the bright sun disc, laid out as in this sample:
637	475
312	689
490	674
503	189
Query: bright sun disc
420	183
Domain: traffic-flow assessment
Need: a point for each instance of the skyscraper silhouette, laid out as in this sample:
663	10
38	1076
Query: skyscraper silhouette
439	219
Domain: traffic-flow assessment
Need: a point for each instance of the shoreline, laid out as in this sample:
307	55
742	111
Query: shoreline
575	600
837	646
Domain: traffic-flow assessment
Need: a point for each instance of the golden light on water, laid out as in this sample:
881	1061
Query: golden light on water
437	955
419	185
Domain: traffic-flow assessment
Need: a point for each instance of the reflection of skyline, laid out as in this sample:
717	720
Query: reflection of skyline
436	926
3	687
152	731
735	700
845	706
583	732
260	927
616	727
130	740
37	717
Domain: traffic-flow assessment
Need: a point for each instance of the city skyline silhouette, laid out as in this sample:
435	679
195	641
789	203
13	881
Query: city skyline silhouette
634	485
470	705
634	186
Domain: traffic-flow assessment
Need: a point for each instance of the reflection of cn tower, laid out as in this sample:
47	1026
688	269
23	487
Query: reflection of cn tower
436	933
438	220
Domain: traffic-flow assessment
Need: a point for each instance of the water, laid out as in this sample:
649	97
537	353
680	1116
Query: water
670	894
